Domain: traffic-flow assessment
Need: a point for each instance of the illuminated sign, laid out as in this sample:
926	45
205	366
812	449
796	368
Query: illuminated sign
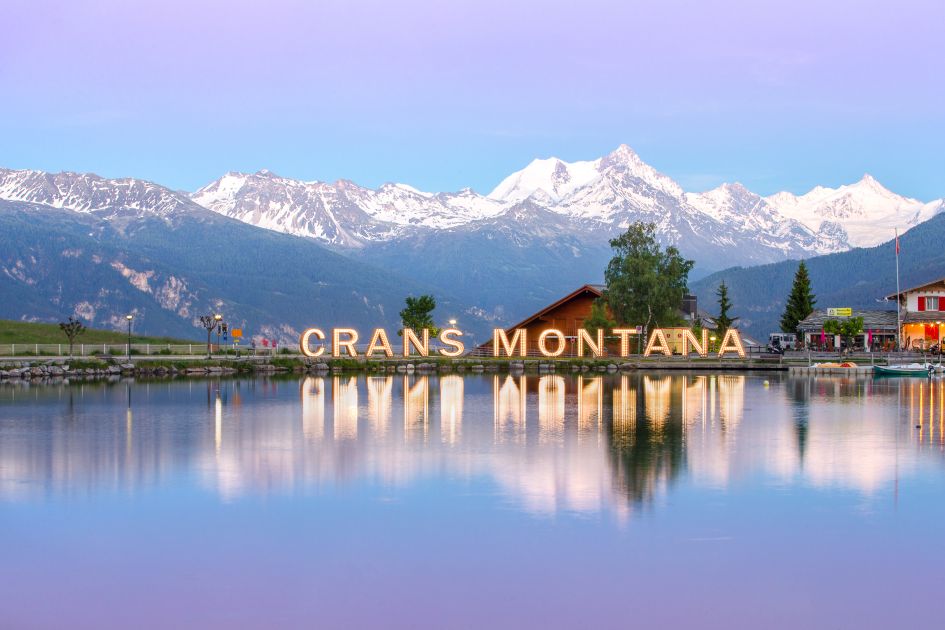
550	343
839	312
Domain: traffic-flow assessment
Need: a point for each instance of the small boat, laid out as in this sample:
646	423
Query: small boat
845	364
909	369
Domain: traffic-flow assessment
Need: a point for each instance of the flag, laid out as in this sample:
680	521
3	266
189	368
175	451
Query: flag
897	242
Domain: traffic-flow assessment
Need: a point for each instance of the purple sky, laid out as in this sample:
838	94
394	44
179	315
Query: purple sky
442	95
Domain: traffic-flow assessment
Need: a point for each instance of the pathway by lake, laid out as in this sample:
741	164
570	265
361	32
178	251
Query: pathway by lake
643	500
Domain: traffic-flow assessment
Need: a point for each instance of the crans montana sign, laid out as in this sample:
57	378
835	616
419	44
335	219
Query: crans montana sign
551	343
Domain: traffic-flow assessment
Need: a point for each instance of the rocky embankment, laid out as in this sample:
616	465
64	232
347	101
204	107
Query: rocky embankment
32	370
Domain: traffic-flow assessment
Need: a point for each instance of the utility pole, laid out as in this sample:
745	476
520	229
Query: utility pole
129	317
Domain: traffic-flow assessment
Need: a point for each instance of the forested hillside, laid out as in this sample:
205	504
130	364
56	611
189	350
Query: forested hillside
859	278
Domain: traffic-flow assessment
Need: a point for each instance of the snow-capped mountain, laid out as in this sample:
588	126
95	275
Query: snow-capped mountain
596	198
89	193
343	213
78	244
539	233
741	210
866	211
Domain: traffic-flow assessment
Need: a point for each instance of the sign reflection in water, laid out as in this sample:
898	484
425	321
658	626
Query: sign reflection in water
584	443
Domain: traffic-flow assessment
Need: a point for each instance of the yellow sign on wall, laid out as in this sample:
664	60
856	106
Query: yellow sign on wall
839	312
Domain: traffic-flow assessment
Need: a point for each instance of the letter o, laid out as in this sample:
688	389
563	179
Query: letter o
543	337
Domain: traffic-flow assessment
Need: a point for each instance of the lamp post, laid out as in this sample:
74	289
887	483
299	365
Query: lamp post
129	317
218	318
452	323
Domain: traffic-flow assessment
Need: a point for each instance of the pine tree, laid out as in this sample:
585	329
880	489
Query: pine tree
800	302
724	321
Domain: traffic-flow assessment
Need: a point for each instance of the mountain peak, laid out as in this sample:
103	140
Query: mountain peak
552	176
624	151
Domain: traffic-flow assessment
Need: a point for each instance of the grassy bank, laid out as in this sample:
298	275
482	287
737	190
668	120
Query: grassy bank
27	332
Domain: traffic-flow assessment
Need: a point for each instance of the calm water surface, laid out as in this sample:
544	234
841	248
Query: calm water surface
650	500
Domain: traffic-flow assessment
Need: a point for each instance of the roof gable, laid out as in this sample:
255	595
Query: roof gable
939	284
596	290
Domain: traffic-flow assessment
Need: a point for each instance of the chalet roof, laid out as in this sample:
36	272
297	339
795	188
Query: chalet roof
596	290
923	317
925	285
872	320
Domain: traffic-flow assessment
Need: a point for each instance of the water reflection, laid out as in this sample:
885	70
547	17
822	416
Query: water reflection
583	443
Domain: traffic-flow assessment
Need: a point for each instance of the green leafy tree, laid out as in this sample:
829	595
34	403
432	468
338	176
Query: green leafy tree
598	318
72	329
418	314
645	283
724	321
847	328
800	302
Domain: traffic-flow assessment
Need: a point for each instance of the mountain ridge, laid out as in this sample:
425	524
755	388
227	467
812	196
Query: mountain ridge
537	235
604	194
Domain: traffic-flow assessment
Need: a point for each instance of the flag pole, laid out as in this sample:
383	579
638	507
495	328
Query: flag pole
898	296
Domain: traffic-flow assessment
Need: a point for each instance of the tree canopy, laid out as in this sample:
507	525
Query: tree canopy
418	315
848	328
800	302
72	329
645	283
598	318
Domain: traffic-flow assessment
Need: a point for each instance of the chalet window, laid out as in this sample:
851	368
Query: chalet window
930	303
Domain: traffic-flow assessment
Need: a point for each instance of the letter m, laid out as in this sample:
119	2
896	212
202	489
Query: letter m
501	343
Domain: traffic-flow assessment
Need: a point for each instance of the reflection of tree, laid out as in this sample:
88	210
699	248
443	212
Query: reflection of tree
646	435
798	390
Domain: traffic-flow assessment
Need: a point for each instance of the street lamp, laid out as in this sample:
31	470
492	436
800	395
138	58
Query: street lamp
452	323
218	318
129	317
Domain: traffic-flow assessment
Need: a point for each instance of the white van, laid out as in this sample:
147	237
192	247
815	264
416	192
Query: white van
782	340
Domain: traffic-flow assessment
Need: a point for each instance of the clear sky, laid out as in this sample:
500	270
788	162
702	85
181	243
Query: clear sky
452	93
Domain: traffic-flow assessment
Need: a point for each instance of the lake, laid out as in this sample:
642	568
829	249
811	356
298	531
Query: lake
655	499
